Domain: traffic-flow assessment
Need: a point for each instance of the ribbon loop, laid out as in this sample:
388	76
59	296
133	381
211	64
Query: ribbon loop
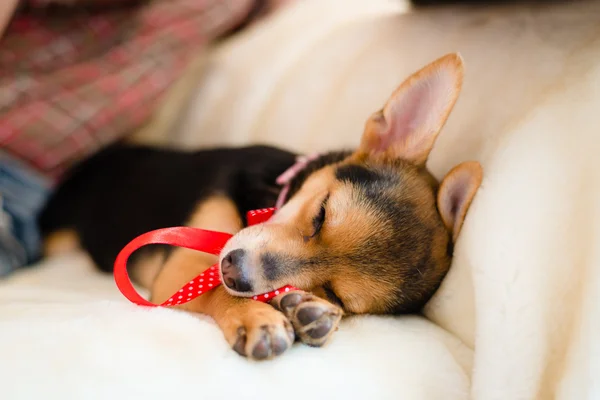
207	241
192	238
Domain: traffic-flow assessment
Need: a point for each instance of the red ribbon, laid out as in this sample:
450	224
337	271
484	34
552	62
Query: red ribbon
192	238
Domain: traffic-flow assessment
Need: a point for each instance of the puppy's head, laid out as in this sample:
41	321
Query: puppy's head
371	230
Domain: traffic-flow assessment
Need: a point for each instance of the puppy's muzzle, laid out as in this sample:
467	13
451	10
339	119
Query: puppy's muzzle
234	268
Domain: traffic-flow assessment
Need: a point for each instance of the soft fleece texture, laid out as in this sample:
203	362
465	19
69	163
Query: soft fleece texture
523	289
68	334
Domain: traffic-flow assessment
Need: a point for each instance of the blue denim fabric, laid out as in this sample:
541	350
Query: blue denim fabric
23	193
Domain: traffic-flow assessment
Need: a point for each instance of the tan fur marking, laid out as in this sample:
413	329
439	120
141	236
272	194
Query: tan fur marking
217	213
146	269
60	242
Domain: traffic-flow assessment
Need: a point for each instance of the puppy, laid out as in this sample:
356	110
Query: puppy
364	231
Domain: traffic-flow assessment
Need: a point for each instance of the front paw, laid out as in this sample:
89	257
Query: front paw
259	332
313	318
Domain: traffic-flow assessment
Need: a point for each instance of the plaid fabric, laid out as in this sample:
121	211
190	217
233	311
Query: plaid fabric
72	81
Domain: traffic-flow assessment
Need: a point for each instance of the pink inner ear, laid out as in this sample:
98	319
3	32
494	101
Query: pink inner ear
456	192
417	112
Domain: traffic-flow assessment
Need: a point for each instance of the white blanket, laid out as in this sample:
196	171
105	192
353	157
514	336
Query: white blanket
522	292
66	333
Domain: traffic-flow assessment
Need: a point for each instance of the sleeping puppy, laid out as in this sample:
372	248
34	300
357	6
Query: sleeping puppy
368	231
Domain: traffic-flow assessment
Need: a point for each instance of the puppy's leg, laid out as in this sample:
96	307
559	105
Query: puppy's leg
314	319
253	329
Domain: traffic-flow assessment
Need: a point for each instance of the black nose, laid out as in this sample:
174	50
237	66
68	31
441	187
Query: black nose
234	275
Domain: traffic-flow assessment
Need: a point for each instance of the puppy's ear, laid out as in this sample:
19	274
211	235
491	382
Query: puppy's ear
410	121
456	193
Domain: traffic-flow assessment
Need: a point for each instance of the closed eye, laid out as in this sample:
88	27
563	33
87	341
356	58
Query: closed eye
319	219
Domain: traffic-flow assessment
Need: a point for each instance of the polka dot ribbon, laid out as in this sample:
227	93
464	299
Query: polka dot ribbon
211	242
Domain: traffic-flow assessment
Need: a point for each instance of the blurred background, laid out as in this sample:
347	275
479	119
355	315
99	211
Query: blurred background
78	75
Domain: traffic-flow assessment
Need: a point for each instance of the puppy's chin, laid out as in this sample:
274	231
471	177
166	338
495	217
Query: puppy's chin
239	294
255	292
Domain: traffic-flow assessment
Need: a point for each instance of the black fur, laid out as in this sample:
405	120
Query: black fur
358	175
322	161
123	191
142	175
